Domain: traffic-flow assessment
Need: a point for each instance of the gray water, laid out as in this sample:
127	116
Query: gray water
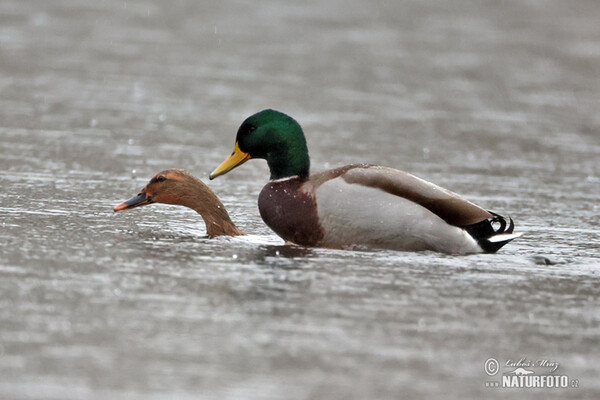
497	101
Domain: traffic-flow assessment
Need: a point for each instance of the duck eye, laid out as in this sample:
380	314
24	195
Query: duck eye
158	179
251	128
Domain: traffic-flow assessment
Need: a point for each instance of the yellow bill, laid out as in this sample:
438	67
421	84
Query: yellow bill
236	158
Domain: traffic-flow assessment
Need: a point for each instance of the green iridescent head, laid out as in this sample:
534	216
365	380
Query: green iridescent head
275	137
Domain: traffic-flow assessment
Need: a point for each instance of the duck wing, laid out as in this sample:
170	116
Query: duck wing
490	230
445	204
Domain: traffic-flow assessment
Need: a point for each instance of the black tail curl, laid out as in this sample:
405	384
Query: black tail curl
484	230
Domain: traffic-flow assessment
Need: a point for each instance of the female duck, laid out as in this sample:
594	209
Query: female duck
357	205
176	186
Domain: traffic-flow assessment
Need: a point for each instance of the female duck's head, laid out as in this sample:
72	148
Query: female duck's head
168	187
273	136
179	187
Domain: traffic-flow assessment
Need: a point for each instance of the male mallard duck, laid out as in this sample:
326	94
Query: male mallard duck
357	205
176	186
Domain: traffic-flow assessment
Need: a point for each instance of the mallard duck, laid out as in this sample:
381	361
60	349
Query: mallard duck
176	186
357	205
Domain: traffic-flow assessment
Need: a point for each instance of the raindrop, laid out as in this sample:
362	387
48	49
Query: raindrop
235	256
162	117
130	141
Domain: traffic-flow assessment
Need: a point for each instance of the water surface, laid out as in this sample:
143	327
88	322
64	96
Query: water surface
496	101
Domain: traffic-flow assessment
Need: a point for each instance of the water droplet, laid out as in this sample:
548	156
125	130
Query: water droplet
235	256
162	117
93	123
130	141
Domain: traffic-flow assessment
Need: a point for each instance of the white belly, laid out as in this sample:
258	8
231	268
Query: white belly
352	214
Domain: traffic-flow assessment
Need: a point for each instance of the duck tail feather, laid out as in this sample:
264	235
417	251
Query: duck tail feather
493	233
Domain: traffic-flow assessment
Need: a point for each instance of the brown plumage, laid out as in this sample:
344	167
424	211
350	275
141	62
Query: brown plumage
176	186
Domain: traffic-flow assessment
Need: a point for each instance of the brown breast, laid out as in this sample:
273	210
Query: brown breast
290	211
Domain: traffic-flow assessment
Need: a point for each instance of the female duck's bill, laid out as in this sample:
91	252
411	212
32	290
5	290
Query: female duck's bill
364	205
179	187
136	201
